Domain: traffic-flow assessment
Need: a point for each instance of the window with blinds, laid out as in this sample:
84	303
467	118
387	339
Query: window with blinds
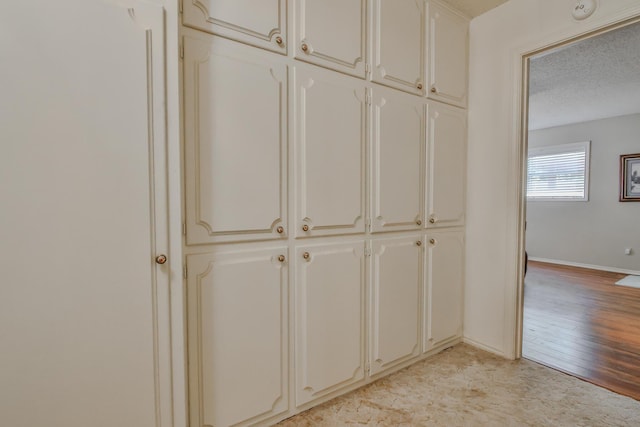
559	172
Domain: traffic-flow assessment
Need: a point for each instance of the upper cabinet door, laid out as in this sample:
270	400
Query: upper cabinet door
446	159
398	146
333	34
399	53
330	138
395	295
448	52
235	110
261	23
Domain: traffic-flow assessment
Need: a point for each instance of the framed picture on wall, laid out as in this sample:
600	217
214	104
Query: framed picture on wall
630	178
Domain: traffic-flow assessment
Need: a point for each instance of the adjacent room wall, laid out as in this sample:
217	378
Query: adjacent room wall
498	39
595	232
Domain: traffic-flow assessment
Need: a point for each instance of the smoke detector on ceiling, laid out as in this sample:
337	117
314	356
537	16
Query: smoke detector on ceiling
583	9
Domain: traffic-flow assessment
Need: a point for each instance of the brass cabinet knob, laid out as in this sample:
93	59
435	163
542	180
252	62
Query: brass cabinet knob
434	90
304	47
432	220
279	40
432	241
419	243
281	258
419	86
305	227
161	259
419	222
280	229
306	255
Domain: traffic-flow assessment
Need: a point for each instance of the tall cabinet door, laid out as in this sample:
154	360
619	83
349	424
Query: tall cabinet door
396	284
237	322
235	110
444	288
261	23
399	52
448	52
84	308
446	159
330	138
397	150
333	34
330	325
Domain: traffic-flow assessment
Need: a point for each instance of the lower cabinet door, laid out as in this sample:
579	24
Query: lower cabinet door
237	322
330	323
444	297
395	294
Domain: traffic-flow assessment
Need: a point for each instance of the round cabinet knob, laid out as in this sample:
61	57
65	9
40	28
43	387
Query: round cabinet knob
419	222
305	227
161	259
279	40
280	229
419	243
434	90
432	241
281	258
419	86
432	220
304	47
306	255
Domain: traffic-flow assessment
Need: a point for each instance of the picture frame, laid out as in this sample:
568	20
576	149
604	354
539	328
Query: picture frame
630	177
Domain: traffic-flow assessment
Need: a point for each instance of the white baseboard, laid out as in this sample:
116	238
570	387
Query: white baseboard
591	266
484	347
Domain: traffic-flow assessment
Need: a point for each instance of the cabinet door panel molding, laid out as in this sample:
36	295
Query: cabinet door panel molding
331	117
398	44
446	166
332	34
238	313
398	144
261	23
330	289
396	284
448	53
235	143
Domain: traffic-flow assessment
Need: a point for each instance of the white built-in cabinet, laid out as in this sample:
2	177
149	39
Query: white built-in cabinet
396	288
398	44
261	23
324	173
446	165
235	106
329	318
330	146
238	327
333	34
443	288
397	151
448	55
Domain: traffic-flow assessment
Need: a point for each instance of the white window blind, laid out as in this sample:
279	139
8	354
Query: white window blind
559	172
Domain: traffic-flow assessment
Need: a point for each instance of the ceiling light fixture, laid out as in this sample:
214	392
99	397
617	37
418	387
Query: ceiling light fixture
583	9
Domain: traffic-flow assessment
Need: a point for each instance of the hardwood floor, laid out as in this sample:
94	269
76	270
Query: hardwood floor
577	321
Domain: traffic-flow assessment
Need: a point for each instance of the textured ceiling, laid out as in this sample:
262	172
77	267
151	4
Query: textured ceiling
473	8
592	79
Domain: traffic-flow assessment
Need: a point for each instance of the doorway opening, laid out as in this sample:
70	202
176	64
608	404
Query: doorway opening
581	111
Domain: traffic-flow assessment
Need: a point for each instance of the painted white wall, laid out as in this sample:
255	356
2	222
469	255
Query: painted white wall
498	39
597	231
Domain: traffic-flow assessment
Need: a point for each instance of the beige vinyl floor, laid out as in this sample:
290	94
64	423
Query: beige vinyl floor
464	386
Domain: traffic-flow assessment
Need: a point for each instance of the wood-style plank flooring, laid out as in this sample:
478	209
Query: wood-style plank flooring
577	321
